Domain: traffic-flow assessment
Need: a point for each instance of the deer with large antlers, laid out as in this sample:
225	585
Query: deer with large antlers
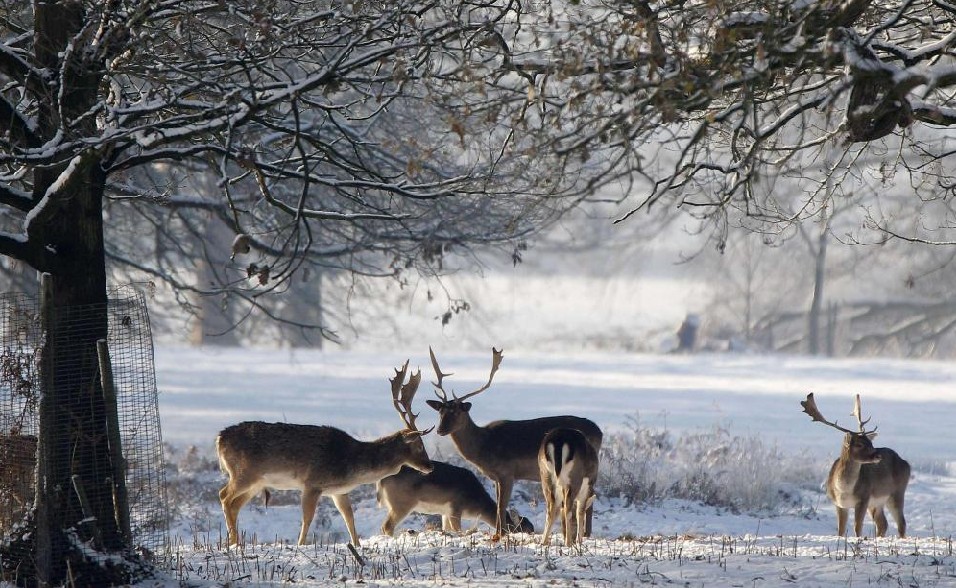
503	450
316	460
864	478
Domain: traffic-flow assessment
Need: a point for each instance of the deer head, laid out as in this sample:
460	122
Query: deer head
858	444
453	412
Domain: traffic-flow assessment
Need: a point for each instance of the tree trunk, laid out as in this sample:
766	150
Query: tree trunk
74	490
816	305
74	500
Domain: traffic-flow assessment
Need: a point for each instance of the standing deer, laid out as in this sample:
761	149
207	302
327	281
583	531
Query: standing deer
448	490
568	464
503	450
316	460
864	478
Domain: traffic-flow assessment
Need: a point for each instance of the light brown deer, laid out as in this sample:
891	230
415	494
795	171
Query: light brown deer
503	450
448	490
316	460
864	478
568	464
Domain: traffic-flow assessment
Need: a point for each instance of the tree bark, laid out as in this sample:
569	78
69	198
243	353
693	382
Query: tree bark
74	500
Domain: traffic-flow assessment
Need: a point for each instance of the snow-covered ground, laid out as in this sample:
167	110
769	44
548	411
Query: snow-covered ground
675	542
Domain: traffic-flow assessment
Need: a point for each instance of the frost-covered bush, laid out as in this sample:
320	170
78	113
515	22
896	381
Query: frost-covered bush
710	466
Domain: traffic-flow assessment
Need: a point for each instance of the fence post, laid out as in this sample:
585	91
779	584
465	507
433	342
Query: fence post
44	497
117	460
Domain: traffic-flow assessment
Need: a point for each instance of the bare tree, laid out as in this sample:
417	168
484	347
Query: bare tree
728	92
341	135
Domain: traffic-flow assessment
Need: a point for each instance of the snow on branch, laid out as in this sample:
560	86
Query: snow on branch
15	198
57	192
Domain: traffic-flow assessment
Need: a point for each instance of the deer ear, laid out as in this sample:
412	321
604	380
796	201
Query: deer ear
466	406
434	404
871	436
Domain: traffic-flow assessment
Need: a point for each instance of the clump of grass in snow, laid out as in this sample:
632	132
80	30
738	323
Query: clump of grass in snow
712	467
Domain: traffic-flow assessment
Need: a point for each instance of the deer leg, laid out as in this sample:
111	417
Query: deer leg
344	505
588	515
566	507
394	517
859	513
232	501
895	504
842	516
880	519
503	490
581	508
589	511
310	499
454	521
551	509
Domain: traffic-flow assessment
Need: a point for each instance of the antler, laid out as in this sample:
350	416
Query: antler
402	395
857	412
440	391
495	362
438	387
810	407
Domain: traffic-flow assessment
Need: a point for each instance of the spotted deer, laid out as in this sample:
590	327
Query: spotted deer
864	478
453	492
316	460
568	465
503	450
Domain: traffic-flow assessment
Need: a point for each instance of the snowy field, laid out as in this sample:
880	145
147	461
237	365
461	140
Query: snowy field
673	542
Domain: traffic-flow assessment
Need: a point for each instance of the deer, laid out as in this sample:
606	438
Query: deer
568	465
864	478
502	450
448	490
316	460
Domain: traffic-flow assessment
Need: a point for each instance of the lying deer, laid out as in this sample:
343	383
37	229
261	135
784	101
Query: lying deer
568	464
316	460
864	478
448	490
504	451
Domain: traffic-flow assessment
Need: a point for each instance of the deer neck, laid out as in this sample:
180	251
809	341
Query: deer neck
847	470
386	454
469	438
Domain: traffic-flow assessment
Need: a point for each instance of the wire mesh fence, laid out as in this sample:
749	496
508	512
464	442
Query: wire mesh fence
130	344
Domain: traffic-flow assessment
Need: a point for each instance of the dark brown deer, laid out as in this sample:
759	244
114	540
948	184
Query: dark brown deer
864	478
316	460
504	451
448	490
568	464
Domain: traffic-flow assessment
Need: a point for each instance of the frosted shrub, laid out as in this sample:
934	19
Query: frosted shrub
712	467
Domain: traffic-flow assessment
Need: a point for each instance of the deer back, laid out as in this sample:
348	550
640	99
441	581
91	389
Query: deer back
568	458
285	455
507	448
887	477
446	489
446	485
512	446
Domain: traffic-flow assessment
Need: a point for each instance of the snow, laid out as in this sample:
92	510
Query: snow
675	542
